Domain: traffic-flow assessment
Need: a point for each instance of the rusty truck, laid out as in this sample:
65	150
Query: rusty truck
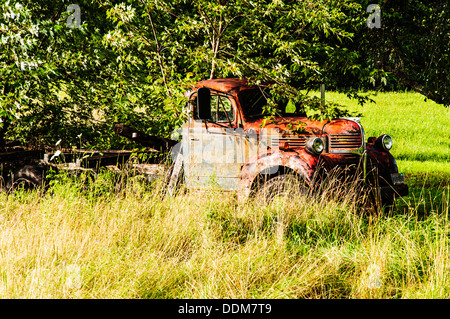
228	143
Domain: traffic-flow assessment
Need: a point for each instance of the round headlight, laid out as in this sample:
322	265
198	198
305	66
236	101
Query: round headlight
384	142
387	142
315	145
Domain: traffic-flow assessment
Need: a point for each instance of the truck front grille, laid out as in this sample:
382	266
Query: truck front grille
346	141
339	143
294	141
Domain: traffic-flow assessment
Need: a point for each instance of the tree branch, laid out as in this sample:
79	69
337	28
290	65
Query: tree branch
158	51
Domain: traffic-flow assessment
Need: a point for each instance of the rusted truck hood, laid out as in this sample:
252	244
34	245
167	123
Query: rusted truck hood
303	125
286	125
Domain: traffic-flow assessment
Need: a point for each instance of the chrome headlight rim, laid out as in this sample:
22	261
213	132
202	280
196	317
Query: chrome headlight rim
315	145
384	143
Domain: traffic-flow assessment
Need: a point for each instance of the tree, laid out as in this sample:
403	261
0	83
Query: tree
130	61
411	48
58	81
181	41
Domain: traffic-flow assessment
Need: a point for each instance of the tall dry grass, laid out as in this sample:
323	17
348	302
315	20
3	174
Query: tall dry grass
97	240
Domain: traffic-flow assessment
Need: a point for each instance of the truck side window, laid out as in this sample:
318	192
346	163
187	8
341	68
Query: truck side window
221	109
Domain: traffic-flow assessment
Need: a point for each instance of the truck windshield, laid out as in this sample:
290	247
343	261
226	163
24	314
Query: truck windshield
254	104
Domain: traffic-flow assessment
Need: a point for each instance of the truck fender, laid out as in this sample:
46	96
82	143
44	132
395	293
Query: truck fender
384	160
298	161
380	166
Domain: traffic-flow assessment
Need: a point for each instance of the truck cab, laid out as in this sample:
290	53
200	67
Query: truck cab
230	144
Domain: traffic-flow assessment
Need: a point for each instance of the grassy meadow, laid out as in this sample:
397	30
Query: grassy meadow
99	240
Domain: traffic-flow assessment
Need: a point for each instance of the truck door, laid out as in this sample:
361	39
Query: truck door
215	148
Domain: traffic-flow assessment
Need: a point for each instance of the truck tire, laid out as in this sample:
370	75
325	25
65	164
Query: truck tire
285	187
26	177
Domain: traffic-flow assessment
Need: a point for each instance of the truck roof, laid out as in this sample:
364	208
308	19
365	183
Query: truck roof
224	85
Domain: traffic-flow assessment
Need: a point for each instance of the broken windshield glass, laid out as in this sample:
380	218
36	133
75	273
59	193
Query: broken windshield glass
254	104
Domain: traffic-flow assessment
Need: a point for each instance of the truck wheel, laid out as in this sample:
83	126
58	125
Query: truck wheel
286	186
26	177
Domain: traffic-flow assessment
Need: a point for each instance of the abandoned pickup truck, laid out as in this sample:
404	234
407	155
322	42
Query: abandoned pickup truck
228	143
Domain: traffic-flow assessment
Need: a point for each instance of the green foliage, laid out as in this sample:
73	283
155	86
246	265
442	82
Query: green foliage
18	41
410	50
131	61
179	42
51	73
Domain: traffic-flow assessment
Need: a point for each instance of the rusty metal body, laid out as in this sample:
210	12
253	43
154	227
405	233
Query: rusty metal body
234	149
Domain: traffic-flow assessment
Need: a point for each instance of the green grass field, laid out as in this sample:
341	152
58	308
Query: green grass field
97	240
